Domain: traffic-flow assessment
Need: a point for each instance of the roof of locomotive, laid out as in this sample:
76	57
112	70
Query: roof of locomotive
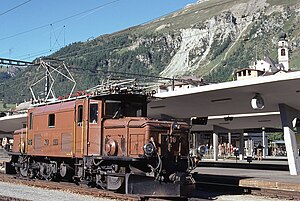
70	102
127	97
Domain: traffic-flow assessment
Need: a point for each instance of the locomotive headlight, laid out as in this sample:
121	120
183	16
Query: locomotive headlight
149	149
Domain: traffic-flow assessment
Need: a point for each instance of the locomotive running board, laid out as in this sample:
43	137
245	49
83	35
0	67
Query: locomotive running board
147	186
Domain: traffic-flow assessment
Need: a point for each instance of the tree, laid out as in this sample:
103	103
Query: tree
276	136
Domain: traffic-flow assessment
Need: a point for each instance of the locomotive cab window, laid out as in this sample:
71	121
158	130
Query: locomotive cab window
51	120
112	108
117	109
94	113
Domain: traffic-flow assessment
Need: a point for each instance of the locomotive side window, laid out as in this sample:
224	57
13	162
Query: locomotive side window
46	142
51	120
133	109
80	115
55	141
30	120
94	113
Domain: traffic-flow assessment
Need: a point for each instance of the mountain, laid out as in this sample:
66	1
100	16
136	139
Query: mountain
209	39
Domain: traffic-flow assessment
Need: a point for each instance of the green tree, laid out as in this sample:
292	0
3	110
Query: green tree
276	136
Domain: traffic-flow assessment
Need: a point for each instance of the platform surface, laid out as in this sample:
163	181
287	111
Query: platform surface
258	174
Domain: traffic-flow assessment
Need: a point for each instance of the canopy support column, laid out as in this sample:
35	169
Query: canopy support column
215	146
242	146
288	114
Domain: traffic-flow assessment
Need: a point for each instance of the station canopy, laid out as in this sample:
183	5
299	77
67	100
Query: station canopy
228	104
11	123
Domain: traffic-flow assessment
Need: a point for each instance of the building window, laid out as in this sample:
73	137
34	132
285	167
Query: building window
30	120
51	120
282	52
30	142
80	115
249	72
93	112
244	73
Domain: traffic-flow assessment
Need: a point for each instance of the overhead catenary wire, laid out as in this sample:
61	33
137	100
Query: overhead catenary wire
61	20
127	75
152	20
181	52
154	80
55	37
15	7
38	53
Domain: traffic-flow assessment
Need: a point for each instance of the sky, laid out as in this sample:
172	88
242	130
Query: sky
33	28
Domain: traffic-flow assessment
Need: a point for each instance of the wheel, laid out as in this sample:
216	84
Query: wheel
115	183
46	171
111	182
24	170
101	181
22	166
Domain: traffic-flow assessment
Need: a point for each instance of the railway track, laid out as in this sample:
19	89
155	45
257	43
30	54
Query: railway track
72	188
204	190
69	187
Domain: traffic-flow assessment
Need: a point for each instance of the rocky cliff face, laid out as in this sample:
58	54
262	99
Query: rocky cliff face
208	39
208	44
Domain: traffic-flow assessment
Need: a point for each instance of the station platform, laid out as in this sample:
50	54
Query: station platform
269	173
268	163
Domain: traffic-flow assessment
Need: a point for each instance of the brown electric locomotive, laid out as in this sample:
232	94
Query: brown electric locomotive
105	140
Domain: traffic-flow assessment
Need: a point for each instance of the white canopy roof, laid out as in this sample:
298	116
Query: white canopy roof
13	122
232	99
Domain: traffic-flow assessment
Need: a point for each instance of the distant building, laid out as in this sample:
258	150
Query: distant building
247	73
268	66
283	52
181	84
